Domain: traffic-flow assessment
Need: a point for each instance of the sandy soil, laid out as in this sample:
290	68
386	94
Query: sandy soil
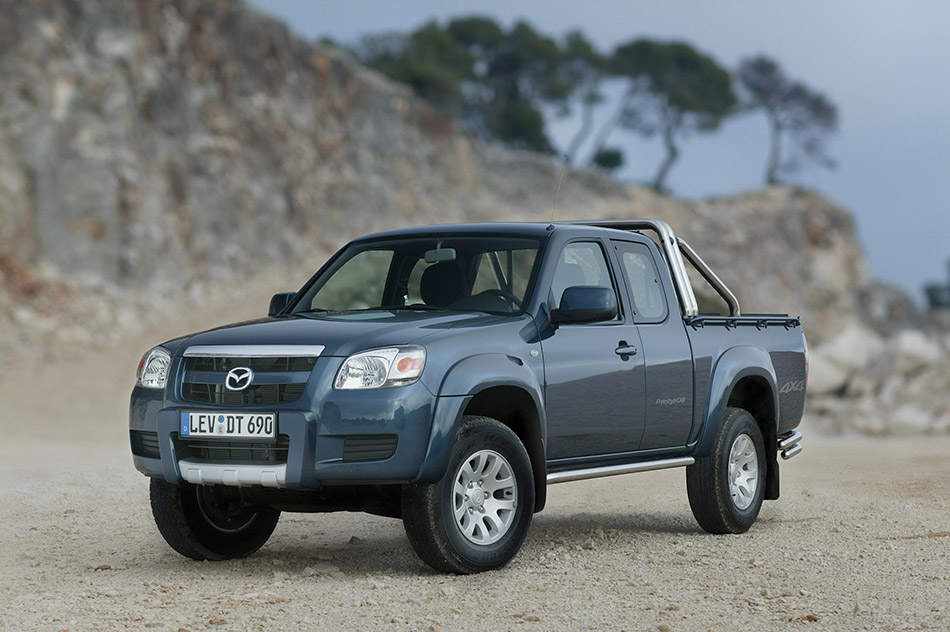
859	540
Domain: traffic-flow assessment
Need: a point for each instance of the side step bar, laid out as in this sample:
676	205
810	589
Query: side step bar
614	470
789	444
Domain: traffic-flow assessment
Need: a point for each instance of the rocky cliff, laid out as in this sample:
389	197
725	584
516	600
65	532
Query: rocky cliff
166	149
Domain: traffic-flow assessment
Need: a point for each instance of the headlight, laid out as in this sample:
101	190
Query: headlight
153	369
379	368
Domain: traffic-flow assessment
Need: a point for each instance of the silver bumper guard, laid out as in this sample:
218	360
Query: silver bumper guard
233	475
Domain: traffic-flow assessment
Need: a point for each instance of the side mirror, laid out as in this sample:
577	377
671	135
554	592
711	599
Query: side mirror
279	302
585	304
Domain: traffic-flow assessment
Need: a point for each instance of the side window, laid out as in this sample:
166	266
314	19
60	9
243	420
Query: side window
580	263
643	280
358	284
506	270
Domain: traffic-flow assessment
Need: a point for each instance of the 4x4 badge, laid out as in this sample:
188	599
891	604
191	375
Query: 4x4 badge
238	378
792	387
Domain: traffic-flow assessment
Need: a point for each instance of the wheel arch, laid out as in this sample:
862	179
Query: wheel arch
744	377
494	385
754	394
515	408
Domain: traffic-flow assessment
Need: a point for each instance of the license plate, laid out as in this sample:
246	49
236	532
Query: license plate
228	425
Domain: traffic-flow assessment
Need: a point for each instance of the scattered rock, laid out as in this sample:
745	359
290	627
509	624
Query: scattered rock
320	568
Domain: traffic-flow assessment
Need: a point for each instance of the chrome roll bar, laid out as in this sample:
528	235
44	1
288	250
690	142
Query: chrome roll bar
674	250
711	278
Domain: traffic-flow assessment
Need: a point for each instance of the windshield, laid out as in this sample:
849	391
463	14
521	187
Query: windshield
439	272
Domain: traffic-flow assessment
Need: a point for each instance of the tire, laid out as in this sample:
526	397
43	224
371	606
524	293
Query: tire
725	500
209	522
477	516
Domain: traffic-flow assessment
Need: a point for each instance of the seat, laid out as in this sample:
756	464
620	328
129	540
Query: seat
568	275
443	284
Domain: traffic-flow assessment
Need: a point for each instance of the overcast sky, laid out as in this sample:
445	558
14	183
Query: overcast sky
885	64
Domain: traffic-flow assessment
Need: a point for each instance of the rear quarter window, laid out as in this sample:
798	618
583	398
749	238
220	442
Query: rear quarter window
643	280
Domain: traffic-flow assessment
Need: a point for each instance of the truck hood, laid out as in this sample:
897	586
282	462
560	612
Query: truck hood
340	335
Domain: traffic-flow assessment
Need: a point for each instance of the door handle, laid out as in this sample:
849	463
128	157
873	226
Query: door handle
623	350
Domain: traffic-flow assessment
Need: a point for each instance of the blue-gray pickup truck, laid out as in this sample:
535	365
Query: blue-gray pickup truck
446	375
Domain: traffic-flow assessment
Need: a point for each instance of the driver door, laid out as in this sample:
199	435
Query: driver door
594	393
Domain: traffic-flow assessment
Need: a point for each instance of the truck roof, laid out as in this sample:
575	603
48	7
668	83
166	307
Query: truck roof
673	249
532	229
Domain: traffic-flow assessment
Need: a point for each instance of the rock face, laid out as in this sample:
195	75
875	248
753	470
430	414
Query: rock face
159	148
174	148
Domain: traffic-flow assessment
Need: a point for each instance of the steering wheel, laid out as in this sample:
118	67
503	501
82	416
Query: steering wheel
508	296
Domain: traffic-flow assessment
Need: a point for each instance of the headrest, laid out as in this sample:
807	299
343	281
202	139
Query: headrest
443	284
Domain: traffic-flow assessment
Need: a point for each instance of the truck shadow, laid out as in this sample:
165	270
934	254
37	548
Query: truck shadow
383	551
582	525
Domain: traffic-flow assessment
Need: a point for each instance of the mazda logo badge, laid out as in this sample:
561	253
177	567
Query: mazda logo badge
238	378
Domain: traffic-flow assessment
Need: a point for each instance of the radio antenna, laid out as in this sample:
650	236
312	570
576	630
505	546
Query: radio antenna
559	181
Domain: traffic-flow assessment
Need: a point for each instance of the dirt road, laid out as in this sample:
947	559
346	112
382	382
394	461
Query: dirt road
859	541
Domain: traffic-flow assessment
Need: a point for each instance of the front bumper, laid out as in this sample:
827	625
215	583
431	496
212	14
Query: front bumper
327	437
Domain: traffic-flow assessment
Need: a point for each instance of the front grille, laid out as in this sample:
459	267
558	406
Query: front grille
369	447
277	380
259	394
250	452
144	444
258	365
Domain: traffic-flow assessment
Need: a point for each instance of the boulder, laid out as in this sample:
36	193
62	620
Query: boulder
834	364
913	350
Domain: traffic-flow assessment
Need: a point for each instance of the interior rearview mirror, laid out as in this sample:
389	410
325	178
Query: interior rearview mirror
440	254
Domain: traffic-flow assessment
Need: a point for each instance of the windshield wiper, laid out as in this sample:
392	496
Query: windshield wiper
394	308
417	307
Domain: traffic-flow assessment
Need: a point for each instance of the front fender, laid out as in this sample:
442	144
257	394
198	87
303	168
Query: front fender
736	364
461	383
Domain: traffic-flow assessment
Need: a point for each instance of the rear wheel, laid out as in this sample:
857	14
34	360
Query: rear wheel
206	522
475	518
726	487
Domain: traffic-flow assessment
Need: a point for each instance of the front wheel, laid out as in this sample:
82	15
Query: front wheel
726	487
476	518
209	522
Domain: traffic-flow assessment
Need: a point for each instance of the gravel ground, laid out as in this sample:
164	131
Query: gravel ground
859	541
